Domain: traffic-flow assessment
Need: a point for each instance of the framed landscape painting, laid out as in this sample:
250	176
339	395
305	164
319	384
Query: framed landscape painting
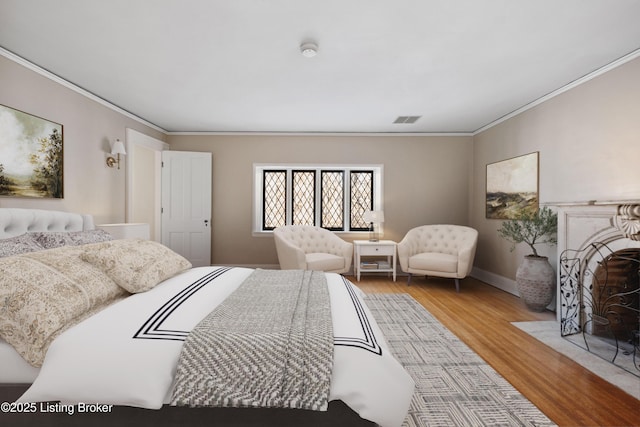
512	187
30	155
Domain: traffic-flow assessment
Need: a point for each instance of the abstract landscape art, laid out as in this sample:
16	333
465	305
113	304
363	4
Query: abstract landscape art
31	157
512	187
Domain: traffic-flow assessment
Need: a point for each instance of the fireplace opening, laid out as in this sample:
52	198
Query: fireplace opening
616	301
600	297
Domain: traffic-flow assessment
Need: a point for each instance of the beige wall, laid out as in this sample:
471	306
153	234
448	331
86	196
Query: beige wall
589	144
426	180
88	127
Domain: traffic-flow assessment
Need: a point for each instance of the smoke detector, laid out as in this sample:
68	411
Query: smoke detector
309	49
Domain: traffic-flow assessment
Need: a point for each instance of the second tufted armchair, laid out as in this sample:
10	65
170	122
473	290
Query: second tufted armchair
438	250
305	247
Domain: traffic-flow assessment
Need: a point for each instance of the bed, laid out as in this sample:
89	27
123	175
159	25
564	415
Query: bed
121	348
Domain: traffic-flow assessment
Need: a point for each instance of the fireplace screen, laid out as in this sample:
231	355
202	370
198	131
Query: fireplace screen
600	302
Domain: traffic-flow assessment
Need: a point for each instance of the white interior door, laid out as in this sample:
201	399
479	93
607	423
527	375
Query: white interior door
186	205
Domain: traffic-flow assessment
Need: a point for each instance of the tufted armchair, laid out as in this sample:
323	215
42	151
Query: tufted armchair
438	250
305	247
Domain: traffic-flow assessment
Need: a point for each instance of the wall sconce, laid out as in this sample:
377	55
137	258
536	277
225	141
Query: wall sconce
116	149
374	218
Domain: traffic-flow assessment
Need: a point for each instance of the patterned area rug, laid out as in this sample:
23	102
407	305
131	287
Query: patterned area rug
454	386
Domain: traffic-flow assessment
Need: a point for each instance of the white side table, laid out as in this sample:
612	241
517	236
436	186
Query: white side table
364	248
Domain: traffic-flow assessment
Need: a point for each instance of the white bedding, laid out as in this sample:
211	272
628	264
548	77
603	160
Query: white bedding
13	368
127	354
14	222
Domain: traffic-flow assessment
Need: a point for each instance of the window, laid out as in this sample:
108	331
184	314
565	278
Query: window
332	197
274	199
332	200
361	198
304	201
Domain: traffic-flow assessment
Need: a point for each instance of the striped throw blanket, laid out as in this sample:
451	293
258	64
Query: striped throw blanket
269	344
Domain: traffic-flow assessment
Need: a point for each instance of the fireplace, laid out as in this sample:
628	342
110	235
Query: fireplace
599	275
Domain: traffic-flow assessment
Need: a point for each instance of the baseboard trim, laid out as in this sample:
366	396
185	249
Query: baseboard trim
500	282
495	280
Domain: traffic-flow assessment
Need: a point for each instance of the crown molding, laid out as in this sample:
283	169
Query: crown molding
33	67
387	134
602	70
57	79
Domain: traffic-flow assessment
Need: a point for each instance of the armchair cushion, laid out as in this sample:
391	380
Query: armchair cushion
434	261
306	247
325	262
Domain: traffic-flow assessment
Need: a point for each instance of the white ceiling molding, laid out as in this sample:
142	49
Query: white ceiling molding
21	61
631	56
41	71
325	133
237	66
33	67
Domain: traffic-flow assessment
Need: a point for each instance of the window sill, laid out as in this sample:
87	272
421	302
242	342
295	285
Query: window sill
343	234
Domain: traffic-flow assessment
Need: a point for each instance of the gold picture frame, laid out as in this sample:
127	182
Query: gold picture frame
31	155
512	187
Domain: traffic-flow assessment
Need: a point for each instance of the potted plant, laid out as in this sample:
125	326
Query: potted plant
535	277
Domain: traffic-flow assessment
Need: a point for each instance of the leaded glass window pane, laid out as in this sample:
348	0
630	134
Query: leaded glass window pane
332	201
304	198
275	199
361	198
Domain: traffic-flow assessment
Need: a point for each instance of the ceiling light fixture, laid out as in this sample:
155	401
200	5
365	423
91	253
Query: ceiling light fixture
309	49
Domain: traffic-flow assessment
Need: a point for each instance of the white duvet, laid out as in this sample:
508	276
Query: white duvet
127	354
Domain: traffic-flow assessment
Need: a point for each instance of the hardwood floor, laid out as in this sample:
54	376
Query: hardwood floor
481	316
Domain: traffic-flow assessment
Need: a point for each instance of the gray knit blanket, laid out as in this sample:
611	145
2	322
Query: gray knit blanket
269	344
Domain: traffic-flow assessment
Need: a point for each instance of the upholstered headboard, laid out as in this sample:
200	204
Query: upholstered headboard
15	221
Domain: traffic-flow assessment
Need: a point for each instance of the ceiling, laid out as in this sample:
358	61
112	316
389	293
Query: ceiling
236	66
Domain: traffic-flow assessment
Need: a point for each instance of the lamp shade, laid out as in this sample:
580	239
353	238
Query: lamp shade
376	217
118	147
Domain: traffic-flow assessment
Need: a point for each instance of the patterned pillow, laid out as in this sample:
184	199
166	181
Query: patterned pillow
53	239
56	239
136	265
46	292
90	236
19	245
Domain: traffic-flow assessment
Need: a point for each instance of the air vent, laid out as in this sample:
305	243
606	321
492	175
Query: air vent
406	119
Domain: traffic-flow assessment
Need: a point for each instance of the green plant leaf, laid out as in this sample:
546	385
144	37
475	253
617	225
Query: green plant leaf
532	228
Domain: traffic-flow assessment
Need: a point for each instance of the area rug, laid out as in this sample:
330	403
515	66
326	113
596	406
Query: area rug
454	386
548	332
